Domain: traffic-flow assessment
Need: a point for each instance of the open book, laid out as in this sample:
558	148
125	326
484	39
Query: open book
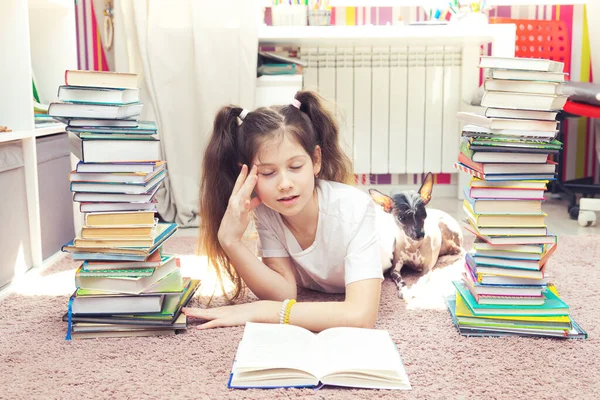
278	355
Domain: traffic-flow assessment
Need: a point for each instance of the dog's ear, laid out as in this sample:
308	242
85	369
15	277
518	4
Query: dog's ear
426	188
381	199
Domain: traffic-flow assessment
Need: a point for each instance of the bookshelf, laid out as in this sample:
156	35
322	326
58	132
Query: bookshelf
38	36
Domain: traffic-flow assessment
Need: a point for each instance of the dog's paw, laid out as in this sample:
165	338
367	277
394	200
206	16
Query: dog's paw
403	291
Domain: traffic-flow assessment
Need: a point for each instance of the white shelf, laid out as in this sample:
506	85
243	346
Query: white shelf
39	37
438	3
50	4
377	34
37	132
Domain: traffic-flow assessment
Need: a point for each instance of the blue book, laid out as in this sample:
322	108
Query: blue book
143	128
576	332
553	305
282	355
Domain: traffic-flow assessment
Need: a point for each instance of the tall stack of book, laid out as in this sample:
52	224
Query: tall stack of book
125	285
505	289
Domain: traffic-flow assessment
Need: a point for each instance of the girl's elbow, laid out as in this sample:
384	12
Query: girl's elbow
364	320
290	292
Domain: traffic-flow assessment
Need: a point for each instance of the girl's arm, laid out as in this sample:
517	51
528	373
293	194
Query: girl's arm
359	309
264	282
271	280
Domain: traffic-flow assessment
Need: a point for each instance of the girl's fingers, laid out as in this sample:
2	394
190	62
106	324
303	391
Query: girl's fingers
249	184
215	323
196	312
255	202
240	180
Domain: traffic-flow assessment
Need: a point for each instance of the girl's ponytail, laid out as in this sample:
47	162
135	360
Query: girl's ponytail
220	169
335	164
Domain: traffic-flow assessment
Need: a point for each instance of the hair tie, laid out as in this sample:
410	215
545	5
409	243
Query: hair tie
242	116
296	103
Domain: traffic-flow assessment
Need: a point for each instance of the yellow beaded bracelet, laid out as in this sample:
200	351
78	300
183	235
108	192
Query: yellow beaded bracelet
288	309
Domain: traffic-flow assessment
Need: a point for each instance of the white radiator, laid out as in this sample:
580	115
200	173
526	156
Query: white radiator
396	105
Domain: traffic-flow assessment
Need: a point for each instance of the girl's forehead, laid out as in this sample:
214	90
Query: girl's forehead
279	149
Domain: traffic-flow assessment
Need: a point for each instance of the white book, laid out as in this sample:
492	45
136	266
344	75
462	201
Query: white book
506	85
520	114
521	63
85	110
101	79
80	94
502	123
114	151
102	207
282	355
116	197
146	168
134	177
523	101
115	304
524	75
122	188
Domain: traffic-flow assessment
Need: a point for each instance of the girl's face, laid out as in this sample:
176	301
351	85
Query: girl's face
286	175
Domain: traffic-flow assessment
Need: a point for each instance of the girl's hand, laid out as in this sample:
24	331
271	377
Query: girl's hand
234	315
237	216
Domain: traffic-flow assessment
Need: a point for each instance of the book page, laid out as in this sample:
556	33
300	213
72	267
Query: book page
275	346
369	351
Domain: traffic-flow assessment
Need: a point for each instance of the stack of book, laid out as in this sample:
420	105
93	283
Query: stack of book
125	285
507	150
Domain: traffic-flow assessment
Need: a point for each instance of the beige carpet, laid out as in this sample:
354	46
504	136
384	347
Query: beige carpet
36	361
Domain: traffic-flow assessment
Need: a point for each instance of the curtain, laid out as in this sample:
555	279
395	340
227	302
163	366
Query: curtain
192	56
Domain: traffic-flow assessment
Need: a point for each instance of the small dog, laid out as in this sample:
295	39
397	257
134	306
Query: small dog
421	235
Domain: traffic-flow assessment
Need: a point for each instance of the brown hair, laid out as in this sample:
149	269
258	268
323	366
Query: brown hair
232	144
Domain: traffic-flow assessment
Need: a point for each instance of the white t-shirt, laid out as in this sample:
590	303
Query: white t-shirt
348	247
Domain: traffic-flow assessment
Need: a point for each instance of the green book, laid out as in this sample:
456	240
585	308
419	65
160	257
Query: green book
36	95
117	273
116	136
552	306
505	142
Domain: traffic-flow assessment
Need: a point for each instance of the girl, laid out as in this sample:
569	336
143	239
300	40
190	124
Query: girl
314	230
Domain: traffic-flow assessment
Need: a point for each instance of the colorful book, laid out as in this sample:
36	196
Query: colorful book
552	306
510	328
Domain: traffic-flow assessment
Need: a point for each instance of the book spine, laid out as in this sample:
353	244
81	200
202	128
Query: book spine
467	170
